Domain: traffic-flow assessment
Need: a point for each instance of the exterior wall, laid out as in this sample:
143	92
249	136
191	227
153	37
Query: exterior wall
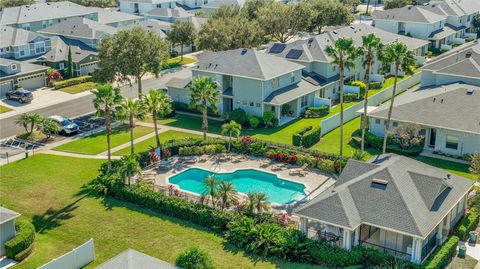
248	95
129	7
7	232
179	95
441	79
390	26
28	49
39	25
283	81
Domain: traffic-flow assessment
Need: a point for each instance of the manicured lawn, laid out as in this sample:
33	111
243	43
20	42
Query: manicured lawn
4	109
47	190
453	167
151	142
186	60
387	83
97	143
191	123
87	86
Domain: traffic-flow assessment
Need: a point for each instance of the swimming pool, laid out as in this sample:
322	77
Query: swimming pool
279	191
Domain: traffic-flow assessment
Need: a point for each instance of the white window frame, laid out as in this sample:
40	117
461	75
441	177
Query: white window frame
274	83
61	66
450	142
13	67
304	101
39	45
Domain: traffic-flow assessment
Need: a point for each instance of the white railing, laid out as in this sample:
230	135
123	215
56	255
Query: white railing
350	113
75	259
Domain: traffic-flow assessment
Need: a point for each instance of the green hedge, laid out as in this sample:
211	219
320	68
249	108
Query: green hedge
468	223
443	255
375	85
414	151
373	141
317	112
179	106
72	81
298	136
19	247
350	97
311	137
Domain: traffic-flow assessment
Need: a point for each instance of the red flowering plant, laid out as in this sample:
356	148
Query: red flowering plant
54	76
246	140
153	156
283	220
293	159
166	153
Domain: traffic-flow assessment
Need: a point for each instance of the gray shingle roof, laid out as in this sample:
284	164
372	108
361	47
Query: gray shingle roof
42	11
155	26
459	111
14	36
25	68
177	13
107	16
291	92
453	7
444	32
79	27
248	63
59	52
220	3
7	215
408	14
357	201
313	49
132	259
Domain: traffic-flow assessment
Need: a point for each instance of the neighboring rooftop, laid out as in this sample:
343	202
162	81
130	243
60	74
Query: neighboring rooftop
155	26
247	63
176	13
80	27
220	3
59	52
453	7
7	215
292	92
408	14
12	36
109	16
25	68
132	259
41	12
396	192
455	107
313	48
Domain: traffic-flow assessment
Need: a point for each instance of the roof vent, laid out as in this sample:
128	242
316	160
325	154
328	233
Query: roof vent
409	7
468	54
335	32
441	101
310	40
469	91
434	99
244	51
448	176
378	183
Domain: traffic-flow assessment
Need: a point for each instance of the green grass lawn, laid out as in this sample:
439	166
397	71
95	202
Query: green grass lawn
387	83
97	143
453	167
87	86
151	142
4	109
191	123
65	217
186	60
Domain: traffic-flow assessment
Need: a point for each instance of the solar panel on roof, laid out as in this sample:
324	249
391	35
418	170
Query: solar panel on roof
277	48
294	54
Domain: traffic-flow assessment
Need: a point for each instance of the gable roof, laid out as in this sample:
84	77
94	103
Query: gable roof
453	7
155	26
247	63
132	259
79	27
12	36
313	48
59	52
24	68
220	3
394	205
177	13
7	215
108	16
408	14
41	12
459	110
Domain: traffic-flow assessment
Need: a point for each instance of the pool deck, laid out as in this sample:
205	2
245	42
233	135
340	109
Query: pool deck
315	181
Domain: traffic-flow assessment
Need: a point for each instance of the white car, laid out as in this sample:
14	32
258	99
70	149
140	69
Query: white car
67	126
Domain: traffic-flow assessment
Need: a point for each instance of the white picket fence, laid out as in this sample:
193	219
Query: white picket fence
350	113
75	259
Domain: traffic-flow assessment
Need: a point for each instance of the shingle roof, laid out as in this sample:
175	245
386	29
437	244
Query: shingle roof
25	68
42	11
313	48
458	109
155	26
132	259
248	63
7	215
291	92
220	3
444	32
12	36
395	206
80	27
453	7
107	16
177	13
408	14
59	52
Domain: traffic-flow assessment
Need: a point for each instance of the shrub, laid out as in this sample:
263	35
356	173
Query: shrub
373	140
306	159
442	256
19	247
333	256
311	137
71	81
325	165
359	84
356	141
298	136
350	97
179	106
238	115
194	258
469	39
269	119
413	151
375	85
253	121
468	223
317	112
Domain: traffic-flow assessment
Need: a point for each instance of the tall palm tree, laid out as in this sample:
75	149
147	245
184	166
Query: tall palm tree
130	167
107	103
344	54
231	129
258	202
130	110
398	55
204	94
28	121
211	189
227	194
371	49
159	105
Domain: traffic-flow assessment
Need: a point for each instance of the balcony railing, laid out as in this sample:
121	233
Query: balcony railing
394	252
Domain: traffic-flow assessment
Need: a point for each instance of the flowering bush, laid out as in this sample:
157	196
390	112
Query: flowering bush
246	140
166	153
406	136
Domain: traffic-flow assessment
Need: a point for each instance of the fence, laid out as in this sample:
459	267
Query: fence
75	259
350	113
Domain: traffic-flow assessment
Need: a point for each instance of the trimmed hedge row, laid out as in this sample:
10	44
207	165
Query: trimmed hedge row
70	82
179	106
297	137
19	247
468	223
311	137
414	151
443	255
317	112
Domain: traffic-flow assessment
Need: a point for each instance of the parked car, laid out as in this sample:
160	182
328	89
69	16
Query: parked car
21	95
67	126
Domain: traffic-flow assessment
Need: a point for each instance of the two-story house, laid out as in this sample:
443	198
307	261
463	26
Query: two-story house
143	6
20	44
310	52
169	14
14	74
115	18
253	81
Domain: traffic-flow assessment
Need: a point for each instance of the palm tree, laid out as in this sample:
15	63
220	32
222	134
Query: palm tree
344	55
227	194
107	102
398	55
129	167
371	49
258	202
28	121
211	189
159	105
130	110
231	129
205	93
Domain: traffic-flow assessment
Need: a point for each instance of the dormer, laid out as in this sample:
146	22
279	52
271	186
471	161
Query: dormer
10	67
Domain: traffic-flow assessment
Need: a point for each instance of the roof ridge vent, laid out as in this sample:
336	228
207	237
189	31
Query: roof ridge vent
468	54
378	183
469	91
244	51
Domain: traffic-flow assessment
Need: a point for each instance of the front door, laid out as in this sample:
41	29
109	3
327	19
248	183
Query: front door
433	137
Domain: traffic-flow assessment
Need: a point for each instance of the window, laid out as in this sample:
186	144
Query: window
40	47
274	82
252	103
377	121
238	101
26	26
258	104
395	124
334	68
292	75
304	101
452	142
61	66
14	67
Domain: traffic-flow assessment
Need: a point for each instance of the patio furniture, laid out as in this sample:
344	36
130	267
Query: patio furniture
277	167
203	159
299	171
265	163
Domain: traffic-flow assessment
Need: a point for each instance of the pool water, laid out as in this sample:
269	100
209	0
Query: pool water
279	191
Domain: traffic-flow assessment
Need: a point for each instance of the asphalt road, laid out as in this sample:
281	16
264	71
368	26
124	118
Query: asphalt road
84	104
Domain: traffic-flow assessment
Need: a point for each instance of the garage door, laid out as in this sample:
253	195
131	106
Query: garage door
32	82
87	69
5	86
